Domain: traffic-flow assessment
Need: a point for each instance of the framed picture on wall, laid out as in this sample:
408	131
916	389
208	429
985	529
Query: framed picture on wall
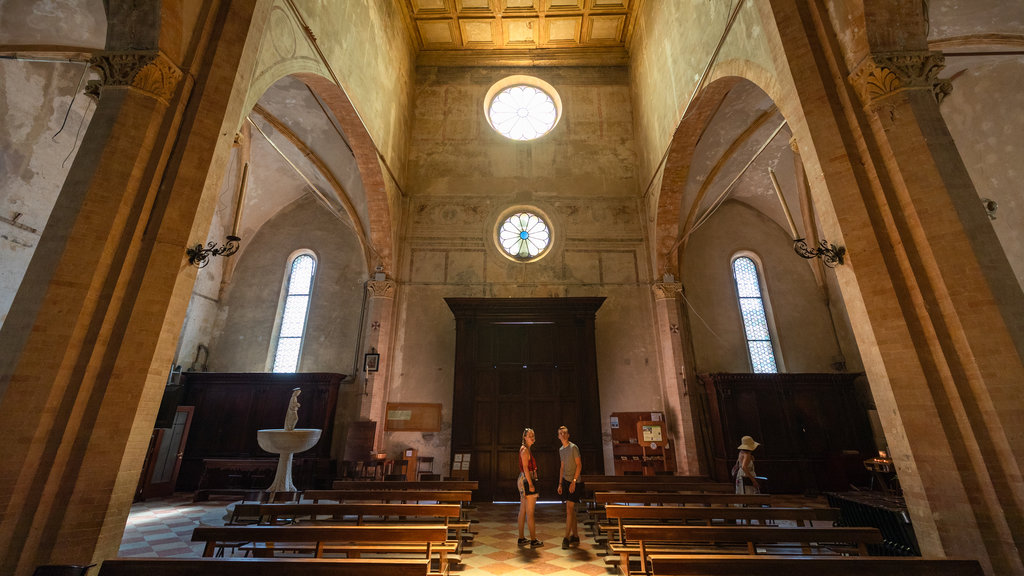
371	362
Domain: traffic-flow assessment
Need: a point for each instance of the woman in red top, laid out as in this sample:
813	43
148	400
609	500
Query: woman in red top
527	489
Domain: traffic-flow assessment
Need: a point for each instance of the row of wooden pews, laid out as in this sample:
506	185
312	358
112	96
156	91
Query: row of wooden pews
389	530
690	527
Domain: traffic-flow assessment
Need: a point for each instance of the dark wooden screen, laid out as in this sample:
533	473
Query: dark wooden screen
231	407
814	433
518	363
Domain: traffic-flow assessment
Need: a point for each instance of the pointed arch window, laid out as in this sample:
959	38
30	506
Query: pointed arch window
755	319
294	313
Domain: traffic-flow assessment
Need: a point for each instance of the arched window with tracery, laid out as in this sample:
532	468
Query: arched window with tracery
755	317
294	312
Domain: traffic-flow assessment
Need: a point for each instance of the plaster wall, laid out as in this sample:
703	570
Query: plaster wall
581	175
250	305
981	116
73	23
801	329
35	156
672	44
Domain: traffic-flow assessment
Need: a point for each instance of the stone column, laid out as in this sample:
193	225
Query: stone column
675	383
85	351
947	378
379	333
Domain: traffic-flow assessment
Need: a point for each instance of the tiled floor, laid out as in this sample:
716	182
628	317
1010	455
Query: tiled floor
164	527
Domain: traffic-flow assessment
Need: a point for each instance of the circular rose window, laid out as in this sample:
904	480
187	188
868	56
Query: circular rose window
522	107
524	236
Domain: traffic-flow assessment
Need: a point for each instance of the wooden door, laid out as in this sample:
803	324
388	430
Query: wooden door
524	363
169	449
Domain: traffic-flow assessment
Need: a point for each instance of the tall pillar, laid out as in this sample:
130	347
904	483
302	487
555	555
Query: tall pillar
674	383
85	350
379	333
949	389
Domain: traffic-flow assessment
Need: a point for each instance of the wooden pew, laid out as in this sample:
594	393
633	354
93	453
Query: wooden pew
585	478
621	515
680	539
274	514
318	540
439	496
718	565
264	567
405	485
637	486
679	498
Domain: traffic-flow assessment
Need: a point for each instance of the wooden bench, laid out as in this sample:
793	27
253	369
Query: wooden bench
687	487
264	567
585	478
439	496
405	485
621	515
643	540
276	514
680	498
353	541
717	565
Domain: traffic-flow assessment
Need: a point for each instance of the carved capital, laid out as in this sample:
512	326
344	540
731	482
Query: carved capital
149	72
885	74
793	145
666	290
381	288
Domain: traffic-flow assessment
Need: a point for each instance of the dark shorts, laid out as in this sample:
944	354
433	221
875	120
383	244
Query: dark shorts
524	487
573	496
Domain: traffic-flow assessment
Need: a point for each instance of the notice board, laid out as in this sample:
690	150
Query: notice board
405	416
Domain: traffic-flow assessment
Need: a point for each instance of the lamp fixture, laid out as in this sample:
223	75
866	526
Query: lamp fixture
830	254
200	257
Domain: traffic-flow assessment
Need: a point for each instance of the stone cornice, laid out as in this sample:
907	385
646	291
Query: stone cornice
882	75
666	290
381	288
147	71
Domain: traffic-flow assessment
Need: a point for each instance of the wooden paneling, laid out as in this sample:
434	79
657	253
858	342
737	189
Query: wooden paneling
231	407
814	433
524	363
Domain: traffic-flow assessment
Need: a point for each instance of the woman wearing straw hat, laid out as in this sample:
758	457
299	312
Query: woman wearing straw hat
743	470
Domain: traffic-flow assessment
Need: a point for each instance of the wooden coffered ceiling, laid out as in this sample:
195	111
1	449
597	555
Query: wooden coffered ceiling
521	32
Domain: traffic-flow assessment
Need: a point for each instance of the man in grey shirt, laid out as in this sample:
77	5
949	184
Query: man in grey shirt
569	486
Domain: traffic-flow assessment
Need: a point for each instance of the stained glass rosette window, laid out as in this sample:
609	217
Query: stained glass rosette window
522	112
755	321
524	235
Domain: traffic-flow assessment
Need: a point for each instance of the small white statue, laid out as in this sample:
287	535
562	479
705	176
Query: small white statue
292	417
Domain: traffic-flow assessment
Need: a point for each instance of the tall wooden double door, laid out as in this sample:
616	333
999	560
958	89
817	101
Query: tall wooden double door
524	363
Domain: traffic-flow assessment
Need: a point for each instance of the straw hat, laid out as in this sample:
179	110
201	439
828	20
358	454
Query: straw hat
747	443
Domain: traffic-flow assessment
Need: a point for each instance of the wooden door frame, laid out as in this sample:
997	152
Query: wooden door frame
581	312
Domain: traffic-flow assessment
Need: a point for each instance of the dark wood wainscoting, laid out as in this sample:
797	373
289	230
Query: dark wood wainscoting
520	363
231	407
814	433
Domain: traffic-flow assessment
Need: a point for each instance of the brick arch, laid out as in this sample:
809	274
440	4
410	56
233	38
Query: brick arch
669	222
380	249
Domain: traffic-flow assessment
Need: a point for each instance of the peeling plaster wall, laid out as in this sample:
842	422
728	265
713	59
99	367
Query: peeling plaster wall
796	310
582	175
34	158
983	116
250	304
672	44
76	23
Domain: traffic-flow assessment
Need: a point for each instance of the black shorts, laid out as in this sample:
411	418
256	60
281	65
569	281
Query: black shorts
524	487
573	496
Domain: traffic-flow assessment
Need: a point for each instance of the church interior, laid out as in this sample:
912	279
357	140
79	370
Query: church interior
664	224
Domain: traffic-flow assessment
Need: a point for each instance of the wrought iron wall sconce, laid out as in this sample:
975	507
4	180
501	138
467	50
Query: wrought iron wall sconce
199	256
830	254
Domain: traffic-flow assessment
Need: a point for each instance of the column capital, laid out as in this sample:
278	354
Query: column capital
884	74
148	71
381	288
666	290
